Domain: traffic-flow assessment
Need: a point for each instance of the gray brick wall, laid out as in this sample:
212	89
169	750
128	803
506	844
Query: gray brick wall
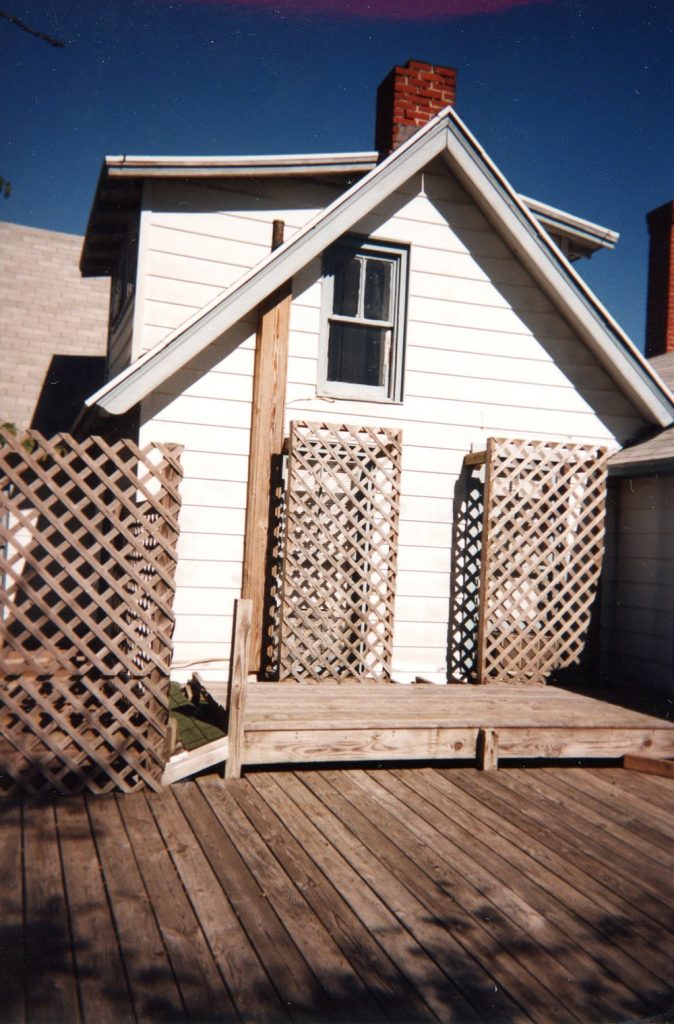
53	328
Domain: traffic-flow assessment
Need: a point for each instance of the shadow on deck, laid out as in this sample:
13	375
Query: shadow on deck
408	895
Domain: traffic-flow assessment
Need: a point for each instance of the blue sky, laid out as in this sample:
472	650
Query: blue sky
573	99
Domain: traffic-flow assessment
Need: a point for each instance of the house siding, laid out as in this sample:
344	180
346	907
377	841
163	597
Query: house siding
486	355
638	606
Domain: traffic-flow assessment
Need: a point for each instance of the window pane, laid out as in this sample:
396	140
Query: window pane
377	289
357	355
347	285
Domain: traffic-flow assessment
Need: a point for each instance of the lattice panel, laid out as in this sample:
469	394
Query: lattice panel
341	540
543	545
89	532
465	591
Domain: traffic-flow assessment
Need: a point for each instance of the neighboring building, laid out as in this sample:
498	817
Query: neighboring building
53	328
639	604
414	290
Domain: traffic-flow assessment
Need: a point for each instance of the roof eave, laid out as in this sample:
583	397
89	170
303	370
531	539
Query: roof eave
445	134
143	376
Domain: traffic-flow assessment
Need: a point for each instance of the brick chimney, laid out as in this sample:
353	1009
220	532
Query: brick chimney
407	99
660	308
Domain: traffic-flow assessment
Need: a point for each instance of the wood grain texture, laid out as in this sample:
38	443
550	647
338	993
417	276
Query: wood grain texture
452	895
236	700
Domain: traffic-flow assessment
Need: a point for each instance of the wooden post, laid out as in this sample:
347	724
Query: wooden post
487	750
238	675
266	440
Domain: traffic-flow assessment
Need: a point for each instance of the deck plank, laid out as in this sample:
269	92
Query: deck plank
196	972
51	992
565	830
153	987
407	934
655	800
288	971
444	889
616	822
537	942
591	914
314	877
347	996
458	951
580	890
396	965
413	894
243	973
101	977
12	960
313	723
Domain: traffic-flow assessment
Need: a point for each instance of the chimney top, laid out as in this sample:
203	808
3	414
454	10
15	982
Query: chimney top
408	98
660	305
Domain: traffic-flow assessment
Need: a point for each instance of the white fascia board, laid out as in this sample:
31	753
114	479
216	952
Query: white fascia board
222	166
531	243
152	369
569	224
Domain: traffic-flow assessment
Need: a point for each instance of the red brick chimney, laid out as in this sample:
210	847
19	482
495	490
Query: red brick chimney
660	309
407	99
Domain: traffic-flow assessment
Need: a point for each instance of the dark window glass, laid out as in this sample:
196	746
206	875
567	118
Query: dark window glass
377	305
347	285
356	354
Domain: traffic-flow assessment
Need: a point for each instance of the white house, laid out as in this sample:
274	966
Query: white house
638	612
411	289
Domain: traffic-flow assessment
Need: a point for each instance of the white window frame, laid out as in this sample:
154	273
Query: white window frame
390	390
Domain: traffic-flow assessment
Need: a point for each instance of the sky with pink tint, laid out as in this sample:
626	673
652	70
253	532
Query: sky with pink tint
389	10
572	99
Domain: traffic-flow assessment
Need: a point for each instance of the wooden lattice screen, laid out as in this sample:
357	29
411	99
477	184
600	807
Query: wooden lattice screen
88	533
542	549
341	539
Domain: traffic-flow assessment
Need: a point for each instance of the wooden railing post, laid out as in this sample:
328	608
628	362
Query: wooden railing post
238	675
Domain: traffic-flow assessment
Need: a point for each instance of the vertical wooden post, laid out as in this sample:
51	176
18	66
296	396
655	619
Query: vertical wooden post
487	750
266	440
238	675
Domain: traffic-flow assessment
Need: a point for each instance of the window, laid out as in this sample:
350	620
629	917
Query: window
365	286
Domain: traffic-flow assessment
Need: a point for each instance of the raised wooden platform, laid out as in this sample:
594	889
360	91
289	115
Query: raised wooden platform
415	895
326	722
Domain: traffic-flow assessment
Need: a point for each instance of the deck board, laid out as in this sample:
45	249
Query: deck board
12	933
53	996
324	722
387	895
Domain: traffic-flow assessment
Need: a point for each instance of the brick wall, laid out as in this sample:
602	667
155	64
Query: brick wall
408	98
660	313
53	328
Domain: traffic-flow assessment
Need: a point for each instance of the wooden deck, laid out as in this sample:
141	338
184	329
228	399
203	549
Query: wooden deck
538	895
327	722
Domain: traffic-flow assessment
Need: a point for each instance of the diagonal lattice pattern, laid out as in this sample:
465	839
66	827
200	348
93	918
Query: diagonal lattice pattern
89	532
543	545
341	538
465	592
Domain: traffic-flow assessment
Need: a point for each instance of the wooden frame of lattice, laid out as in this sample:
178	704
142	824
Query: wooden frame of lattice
340	551
88	534
542	551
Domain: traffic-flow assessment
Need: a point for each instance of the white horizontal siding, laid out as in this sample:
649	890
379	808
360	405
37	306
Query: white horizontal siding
486	355
638	606
198	239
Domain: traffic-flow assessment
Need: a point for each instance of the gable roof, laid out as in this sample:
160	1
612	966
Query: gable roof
445	135
117	200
